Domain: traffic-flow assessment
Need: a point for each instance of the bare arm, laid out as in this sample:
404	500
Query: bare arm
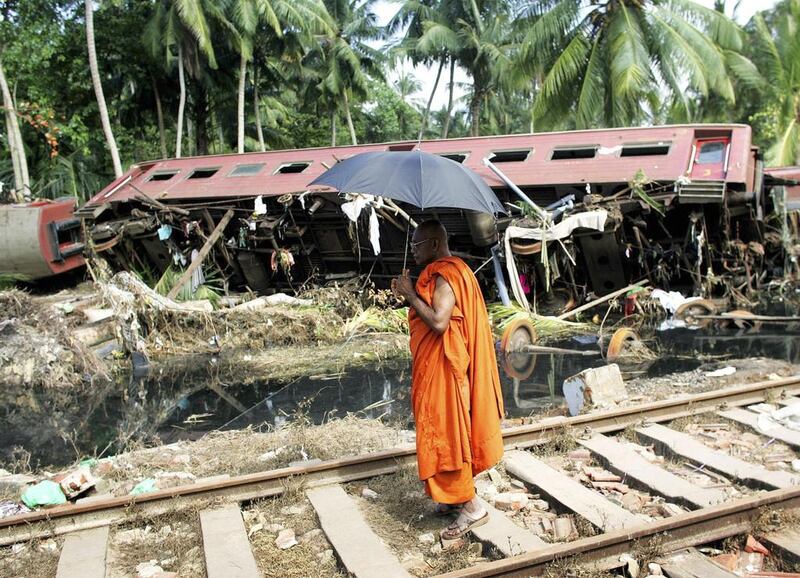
437	315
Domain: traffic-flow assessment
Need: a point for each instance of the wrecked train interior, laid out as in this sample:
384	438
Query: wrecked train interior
687	207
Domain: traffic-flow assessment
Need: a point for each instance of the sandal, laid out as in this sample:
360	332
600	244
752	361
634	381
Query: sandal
446	509
465	522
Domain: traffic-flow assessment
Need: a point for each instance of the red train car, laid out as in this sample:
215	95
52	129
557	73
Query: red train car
40	239
681	202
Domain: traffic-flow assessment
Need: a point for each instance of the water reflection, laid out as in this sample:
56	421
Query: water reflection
191	398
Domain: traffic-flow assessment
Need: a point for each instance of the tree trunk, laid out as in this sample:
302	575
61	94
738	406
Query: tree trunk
162	133
240	109
201	121
333	126
98	89
349	119
15	147
475	112
430	100
446	127
220	133
181	103
257	109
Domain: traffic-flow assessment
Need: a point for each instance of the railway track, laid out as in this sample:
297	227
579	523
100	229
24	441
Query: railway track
700	515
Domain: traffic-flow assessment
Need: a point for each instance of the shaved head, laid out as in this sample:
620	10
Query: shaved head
429	242
432	229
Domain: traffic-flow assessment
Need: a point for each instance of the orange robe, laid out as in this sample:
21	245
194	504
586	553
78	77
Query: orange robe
455	391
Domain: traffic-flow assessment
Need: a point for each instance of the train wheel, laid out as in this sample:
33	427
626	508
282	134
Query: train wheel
687	312
742	319
517	335
620	343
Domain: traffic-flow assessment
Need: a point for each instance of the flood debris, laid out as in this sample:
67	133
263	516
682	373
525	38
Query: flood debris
599	386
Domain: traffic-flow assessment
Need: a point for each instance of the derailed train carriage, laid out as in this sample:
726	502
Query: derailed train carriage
685	206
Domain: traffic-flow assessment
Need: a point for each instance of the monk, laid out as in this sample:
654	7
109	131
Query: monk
455	391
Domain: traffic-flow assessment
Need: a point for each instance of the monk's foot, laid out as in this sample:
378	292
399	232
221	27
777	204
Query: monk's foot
446	509
465	522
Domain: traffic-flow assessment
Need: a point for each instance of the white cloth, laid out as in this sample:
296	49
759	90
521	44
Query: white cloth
197	276
374	232
671	300
259	208
353	208
590	220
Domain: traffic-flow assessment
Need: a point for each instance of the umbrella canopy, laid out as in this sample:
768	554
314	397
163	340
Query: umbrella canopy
415	177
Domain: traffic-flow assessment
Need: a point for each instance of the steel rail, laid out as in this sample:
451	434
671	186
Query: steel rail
93	513
682	531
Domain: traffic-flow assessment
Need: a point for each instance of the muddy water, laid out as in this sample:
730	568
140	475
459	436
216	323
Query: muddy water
183	406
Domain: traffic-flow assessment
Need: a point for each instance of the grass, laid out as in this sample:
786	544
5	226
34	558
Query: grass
299	561
562	441
36	560
237	452
547	328
401	513
173	540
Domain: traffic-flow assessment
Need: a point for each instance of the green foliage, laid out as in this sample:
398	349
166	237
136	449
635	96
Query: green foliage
207	290
543	64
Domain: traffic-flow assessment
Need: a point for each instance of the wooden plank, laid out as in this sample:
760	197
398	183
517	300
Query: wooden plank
685	446
692	564
212	238
360	550
750	419
785	542
633	466
505	535
84	554
568	492
227	549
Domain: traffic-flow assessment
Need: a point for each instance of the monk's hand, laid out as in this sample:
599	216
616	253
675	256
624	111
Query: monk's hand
402	286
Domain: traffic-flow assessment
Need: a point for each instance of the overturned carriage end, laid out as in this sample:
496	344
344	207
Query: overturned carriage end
40	239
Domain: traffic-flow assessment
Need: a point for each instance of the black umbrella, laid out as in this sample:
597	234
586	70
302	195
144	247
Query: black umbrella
415	177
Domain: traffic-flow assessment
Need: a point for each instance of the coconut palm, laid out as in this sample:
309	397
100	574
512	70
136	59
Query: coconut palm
179	33
414	16
247	15
776	50
98	89
343	60
481	40
610	64
16	146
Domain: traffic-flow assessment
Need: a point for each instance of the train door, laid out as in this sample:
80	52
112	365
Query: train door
710	161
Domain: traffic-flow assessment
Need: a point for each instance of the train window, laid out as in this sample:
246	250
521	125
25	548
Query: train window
512	156
246	170
458	157
203	173
402	147
289	168
711	153
645	150
162	176
567	153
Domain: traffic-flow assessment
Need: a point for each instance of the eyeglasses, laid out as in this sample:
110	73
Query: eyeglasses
415	244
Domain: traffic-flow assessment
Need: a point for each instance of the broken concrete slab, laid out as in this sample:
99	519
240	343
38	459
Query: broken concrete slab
598	386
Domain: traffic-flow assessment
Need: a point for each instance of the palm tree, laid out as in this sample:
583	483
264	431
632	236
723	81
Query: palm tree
19	161
609	64
98	89
415	16
180	32
776	51
481	40
298	15
343	61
